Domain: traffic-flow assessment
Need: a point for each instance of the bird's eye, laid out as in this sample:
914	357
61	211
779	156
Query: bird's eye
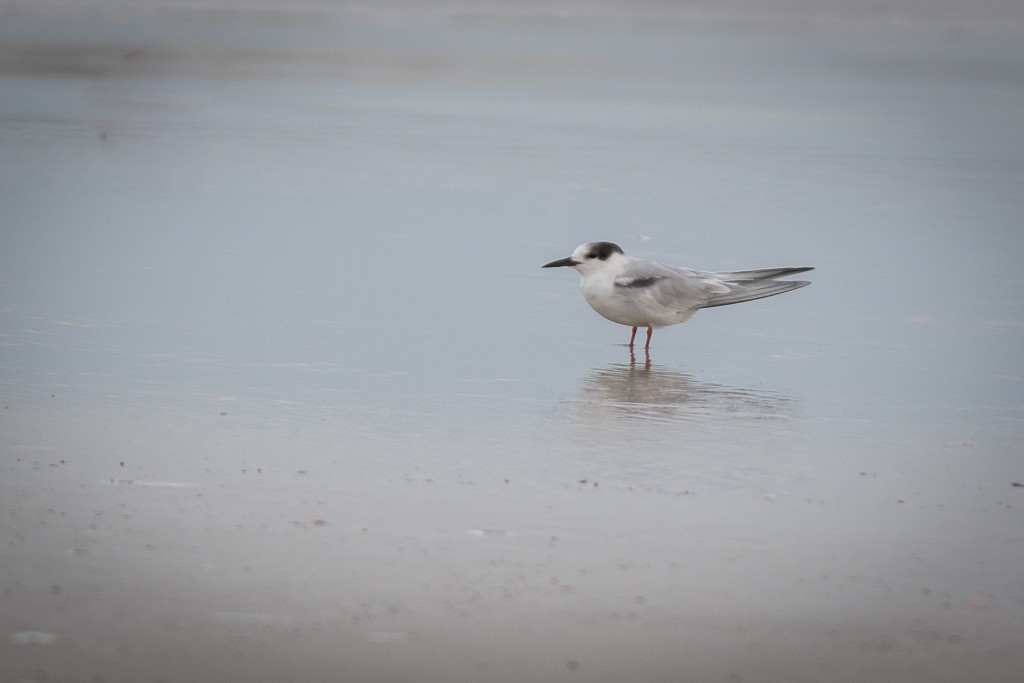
592	254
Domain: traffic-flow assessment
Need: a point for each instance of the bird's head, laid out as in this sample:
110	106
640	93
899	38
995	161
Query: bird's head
590	257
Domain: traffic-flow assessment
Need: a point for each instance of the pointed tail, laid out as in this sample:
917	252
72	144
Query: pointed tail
747	285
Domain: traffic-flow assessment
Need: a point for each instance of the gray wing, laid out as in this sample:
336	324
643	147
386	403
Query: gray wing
670	286
747	285
683	288
761	273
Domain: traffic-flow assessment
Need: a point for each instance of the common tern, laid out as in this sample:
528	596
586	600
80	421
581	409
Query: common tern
639	293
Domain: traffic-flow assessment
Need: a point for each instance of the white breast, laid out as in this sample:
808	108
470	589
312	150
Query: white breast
629	306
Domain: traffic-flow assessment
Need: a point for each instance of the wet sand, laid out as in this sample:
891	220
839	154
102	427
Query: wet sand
286	395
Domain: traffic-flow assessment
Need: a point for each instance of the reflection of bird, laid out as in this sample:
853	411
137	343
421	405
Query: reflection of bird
664	430
640	293
654	392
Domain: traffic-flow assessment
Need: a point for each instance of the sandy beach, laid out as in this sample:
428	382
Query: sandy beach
286	395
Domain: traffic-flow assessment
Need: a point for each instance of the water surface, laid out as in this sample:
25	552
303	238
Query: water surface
286	394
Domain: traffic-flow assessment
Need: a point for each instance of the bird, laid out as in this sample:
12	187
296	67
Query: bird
640	293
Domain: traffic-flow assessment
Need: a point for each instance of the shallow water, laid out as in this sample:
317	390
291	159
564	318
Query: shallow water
286	395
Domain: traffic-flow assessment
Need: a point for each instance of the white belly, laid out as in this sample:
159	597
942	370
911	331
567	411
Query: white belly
627	306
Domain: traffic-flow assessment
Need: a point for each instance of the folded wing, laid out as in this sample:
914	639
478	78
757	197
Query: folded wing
747	285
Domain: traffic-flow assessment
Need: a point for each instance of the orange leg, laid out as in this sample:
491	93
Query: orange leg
650	331
632	337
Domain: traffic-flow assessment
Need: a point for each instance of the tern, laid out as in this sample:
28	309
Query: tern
639	293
